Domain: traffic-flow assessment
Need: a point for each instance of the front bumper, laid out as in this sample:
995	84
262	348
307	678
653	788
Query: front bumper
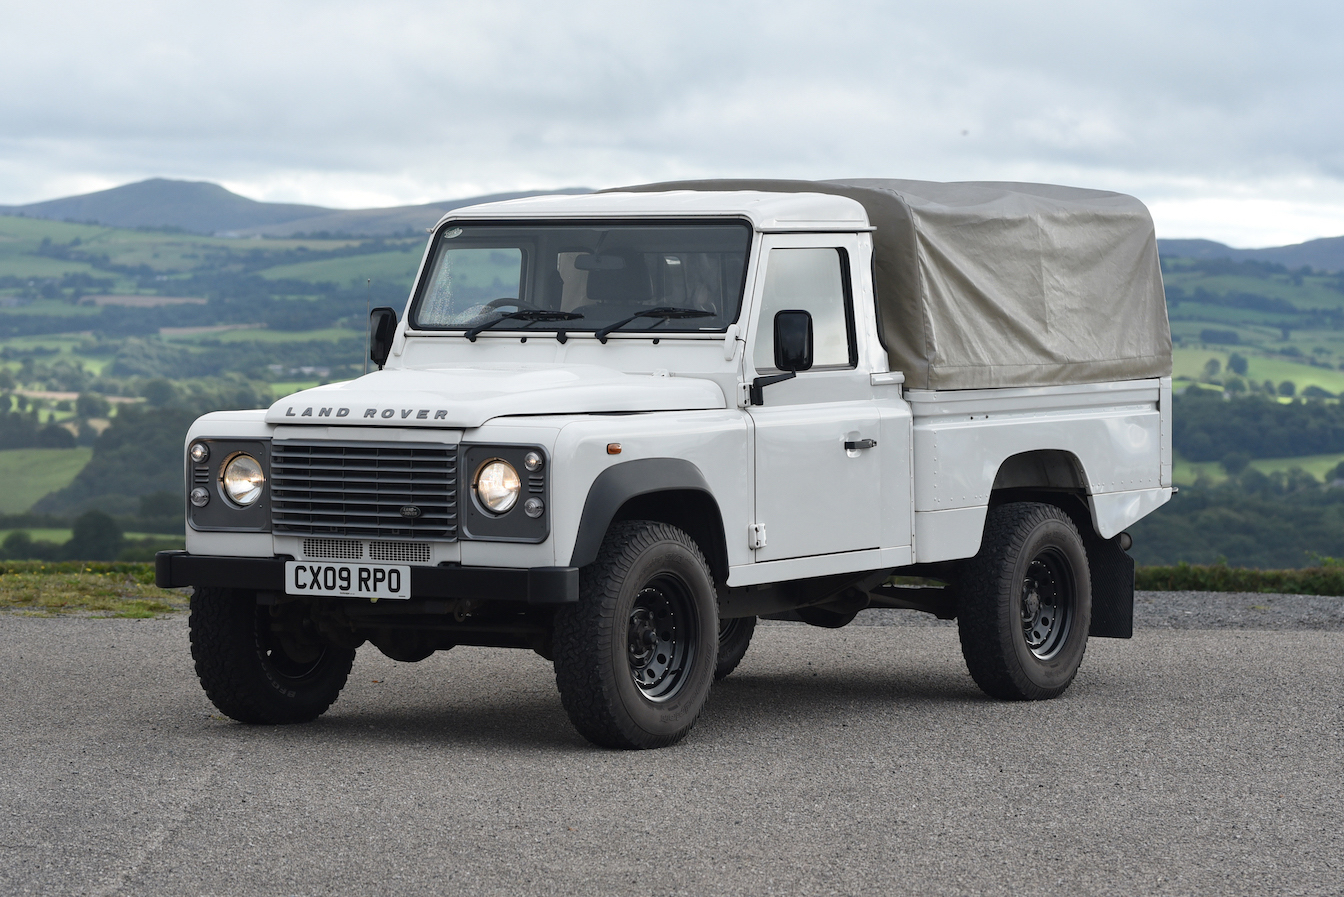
535	585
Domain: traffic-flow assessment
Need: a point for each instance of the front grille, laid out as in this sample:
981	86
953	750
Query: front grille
339	549
389	491
409	552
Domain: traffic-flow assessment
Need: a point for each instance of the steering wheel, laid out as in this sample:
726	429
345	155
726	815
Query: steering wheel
510	300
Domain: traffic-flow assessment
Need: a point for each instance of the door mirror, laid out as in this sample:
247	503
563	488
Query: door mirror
382	328
793	340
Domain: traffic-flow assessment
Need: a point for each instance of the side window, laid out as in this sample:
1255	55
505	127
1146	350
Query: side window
812	280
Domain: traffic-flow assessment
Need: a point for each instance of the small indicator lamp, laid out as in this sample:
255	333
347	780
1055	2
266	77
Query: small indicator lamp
613	448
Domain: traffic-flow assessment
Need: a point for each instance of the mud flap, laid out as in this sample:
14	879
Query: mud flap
1112	589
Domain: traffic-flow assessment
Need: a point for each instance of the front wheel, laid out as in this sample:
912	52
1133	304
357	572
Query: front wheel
263	664
635	657
1025	603
734	639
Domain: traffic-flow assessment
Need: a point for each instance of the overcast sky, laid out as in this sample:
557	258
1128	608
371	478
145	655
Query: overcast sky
1226	118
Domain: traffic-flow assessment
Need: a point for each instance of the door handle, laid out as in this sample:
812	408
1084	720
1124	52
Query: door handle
856	444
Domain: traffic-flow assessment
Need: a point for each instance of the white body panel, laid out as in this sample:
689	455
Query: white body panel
794	501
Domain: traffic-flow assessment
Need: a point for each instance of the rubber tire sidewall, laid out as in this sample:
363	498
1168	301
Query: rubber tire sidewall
238	677
989	615
591	664
733	648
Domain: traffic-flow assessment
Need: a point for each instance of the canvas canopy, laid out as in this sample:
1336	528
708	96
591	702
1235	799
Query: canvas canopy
985	284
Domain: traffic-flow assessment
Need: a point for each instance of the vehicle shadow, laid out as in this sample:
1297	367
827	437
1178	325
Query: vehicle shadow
534	718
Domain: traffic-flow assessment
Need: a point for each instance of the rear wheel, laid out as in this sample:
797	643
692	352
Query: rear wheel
263	664
1025	603
635	657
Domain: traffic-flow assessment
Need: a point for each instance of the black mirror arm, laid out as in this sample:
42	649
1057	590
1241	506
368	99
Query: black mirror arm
760	383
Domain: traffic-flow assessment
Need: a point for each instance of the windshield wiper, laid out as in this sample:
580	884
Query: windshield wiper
666	313
524	314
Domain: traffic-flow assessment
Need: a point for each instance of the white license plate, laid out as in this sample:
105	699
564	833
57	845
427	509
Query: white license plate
372	581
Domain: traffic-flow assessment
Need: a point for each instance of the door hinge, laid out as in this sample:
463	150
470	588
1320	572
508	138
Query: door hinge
756	536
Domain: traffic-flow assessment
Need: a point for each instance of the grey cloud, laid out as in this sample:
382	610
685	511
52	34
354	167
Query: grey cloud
492	96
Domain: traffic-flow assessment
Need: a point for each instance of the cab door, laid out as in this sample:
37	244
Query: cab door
816	436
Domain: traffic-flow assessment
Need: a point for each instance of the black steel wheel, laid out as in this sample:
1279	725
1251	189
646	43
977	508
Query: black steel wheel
635	657
734	639
263	664
1025	603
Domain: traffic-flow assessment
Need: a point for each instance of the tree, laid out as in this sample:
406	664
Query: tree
95	537
55	436
1237	364
1287	388
90	404
1234	385
159	392
1235	462
1211	369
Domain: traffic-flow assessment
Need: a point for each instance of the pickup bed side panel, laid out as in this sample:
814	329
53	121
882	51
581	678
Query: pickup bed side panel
1113	431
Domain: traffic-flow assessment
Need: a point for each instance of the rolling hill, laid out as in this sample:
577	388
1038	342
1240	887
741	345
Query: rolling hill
201	207
1325	254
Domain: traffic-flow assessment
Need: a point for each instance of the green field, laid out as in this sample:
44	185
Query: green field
1313	292
29	474
266	335
395	267
1188	363
61	536
162	251
1185	473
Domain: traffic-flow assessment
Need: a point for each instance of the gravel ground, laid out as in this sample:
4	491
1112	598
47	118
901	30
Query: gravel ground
1186	610
858	761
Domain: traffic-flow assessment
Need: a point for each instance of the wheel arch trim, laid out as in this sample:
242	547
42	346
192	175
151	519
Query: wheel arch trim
619	485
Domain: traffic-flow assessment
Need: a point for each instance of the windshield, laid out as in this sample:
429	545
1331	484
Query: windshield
597	274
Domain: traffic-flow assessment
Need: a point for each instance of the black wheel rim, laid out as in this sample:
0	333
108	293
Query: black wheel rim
660	638
290	653
1047	603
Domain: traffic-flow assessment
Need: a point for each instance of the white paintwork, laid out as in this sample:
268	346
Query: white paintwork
1113	511
465	397
948	535
1114	432
767	212
780	472
813	496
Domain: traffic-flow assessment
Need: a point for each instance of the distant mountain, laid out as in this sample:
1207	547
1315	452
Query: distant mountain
204	208
1325	254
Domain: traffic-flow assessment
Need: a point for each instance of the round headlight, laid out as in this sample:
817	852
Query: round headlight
497	485
243	479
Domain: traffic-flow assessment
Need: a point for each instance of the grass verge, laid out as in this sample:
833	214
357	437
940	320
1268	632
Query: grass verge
48	589
1327	580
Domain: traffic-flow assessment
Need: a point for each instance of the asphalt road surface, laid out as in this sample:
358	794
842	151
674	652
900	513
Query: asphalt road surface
852	761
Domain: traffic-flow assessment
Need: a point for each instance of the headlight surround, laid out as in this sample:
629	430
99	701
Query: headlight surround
242	479
497	486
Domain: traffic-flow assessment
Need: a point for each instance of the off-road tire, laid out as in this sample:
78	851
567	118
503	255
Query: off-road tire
647	610
734	639
249	674
1025	603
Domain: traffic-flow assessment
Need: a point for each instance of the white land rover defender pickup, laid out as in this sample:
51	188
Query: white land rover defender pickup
617	428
